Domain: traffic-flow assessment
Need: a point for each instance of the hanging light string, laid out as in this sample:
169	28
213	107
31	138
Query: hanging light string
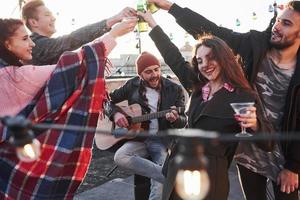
171	133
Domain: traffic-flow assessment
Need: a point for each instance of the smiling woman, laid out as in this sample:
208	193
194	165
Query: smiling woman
21	44
214	79
217	81
55	94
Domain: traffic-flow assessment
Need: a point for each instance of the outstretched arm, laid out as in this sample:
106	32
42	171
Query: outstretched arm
49	50
60	85
196	24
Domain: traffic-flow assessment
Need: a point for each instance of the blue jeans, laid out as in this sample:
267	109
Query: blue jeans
133	156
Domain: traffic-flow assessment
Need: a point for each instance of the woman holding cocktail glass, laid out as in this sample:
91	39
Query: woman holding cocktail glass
215	80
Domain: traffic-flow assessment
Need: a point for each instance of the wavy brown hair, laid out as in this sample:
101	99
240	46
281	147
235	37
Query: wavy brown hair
7	29
231	71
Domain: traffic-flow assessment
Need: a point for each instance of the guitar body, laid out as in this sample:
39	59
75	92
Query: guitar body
137	121
105	142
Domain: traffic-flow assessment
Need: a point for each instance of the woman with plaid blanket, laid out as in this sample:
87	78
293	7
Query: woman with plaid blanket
70	93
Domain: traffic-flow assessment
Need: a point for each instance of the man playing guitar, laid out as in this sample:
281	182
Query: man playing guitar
153	93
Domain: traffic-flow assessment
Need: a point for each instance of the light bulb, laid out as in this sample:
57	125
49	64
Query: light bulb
29	152
192	184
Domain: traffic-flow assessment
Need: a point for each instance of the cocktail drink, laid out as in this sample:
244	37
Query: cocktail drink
241	108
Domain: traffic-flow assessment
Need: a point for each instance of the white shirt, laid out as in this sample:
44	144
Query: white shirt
152	96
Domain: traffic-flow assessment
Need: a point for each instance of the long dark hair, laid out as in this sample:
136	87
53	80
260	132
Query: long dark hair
231	71
7	28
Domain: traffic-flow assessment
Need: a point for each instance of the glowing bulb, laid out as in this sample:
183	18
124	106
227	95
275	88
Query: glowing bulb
192	185
29	152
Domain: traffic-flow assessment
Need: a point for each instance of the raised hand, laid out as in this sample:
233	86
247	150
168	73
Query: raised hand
126	12
163	4
147	16
124	27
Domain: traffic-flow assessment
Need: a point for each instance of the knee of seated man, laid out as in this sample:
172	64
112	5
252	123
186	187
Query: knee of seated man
122	159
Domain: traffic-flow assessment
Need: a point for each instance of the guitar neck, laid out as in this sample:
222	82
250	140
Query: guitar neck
155	115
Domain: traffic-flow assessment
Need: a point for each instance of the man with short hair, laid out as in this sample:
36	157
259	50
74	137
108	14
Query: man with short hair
272	65
40	21
153	93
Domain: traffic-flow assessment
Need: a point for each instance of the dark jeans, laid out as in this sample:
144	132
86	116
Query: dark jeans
255	187
142	187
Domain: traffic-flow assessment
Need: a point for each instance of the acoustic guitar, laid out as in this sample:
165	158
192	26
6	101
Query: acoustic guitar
134	116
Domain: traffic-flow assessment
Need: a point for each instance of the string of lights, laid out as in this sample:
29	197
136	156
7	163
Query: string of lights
192	180
22	122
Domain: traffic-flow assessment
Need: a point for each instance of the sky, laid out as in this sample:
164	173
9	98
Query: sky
73	14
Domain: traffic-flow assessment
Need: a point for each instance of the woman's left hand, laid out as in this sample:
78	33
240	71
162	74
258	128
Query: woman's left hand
249	119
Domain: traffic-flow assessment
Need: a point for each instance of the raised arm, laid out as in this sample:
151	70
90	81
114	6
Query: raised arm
170	53
195	24
64	84
48	50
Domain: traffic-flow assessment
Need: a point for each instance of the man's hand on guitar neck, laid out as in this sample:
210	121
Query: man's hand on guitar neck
120	120
173	115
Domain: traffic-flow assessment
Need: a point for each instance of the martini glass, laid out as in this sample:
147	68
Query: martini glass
241	108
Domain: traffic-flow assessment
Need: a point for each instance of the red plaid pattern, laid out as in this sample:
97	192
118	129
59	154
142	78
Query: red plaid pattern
73	96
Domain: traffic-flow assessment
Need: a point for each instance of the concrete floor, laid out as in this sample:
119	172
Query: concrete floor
119	186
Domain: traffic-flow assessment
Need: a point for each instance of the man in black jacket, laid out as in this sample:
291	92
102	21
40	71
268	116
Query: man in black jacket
153	93
40	21
272	65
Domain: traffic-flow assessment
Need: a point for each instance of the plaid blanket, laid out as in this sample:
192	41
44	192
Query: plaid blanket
73	96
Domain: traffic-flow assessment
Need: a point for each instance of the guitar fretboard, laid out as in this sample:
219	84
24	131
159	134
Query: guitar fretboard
155	115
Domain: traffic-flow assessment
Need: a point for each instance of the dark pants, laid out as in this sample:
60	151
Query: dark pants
142	187
255	187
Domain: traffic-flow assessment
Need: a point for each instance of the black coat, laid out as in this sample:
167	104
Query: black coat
217	115
213	115
252	47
